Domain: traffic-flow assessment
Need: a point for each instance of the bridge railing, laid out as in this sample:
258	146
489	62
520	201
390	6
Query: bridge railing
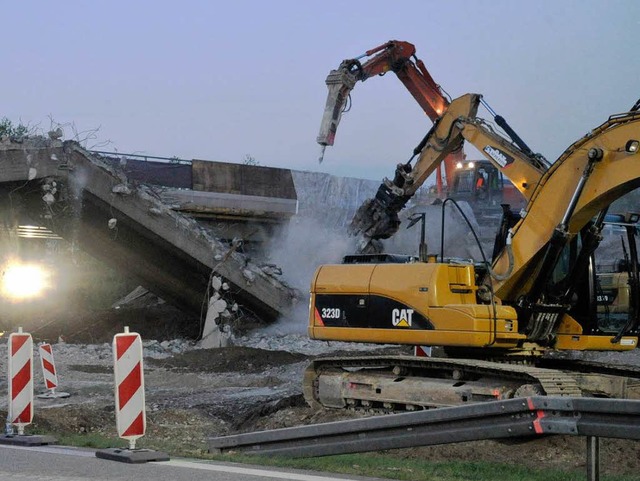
174	160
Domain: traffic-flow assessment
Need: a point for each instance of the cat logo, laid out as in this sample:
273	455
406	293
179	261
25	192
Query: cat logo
401	317
502	158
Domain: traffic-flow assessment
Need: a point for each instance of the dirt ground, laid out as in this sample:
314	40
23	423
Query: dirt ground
192	394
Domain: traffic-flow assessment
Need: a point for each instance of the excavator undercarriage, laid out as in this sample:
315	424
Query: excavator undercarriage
409	383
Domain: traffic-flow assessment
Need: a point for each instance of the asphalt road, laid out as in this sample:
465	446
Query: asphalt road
58	463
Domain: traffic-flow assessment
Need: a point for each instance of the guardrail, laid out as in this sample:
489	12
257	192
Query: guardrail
514	418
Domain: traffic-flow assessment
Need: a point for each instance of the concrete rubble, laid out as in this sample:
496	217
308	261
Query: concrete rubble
80	188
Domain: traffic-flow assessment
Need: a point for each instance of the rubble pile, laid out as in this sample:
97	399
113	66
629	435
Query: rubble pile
97	209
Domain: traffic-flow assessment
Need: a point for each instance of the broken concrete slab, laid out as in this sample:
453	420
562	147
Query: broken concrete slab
130	228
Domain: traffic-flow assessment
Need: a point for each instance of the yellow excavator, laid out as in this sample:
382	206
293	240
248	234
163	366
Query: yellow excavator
498	321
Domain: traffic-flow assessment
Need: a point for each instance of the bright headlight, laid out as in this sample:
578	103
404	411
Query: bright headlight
23	281
632	146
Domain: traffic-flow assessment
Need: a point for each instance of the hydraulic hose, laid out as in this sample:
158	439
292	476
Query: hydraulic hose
502	277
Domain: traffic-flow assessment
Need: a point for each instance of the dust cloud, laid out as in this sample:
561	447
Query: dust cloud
318	234
298	250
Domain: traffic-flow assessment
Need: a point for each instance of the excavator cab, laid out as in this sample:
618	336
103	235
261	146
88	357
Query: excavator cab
597	274
617	282
485	188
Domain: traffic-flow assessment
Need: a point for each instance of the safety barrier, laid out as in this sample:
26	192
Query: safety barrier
48	366
49	373
20	392
127	365
131	417
514	418
522	417
20	380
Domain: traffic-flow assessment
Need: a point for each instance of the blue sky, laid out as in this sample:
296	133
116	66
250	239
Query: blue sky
219	80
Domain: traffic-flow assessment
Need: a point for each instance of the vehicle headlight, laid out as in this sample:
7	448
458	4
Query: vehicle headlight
23	281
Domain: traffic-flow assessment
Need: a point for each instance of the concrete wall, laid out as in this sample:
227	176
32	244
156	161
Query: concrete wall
243	179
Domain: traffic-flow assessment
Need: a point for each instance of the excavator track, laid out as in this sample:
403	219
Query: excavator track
400	383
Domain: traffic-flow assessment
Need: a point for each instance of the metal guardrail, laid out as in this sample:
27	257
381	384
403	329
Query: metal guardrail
514	418
523	417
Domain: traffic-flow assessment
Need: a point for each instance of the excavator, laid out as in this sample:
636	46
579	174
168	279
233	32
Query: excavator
462	176
508	326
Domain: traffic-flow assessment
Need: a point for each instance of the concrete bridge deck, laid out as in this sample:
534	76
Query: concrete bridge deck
82	198
238	200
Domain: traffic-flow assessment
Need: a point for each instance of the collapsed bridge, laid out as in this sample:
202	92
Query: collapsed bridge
83	198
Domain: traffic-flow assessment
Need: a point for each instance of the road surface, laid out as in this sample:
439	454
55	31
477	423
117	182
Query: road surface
58	463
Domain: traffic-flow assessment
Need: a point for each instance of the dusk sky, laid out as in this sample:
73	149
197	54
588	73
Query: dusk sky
221	80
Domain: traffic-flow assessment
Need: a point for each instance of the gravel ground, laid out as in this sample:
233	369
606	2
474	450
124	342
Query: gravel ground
255	384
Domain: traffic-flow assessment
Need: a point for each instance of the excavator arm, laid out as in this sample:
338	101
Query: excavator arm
378	218
400	58
592	173
395	56
454	122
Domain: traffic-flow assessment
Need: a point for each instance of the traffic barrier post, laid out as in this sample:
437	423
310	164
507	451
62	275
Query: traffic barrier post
20	391
20	380
130	400
49	373
422	351
129	383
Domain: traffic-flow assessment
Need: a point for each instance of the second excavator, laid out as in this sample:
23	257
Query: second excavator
501	320
461	175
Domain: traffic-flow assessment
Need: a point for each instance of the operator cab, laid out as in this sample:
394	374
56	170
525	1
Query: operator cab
478	180
605	298
483	186
616	266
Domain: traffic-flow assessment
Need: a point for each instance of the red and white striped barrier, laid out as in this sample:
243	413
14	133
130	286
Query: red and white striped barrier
48	366
129	386
130	411
20	374
422	351
49	373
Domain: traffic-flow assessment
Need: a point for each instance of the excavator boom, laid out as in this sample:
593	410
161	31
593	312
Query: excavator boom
378	218
593	172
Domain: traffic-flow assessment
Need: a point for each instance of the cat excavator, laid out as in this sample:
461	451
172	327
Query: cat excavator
503	324
475	181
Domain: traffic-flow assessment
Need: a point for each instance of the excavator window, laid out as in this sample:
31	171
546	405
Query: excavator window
616	258
565	262
496	181
463	182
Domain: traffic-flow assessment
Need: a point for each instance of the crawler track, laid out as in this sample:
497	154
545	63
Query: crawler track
399	383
